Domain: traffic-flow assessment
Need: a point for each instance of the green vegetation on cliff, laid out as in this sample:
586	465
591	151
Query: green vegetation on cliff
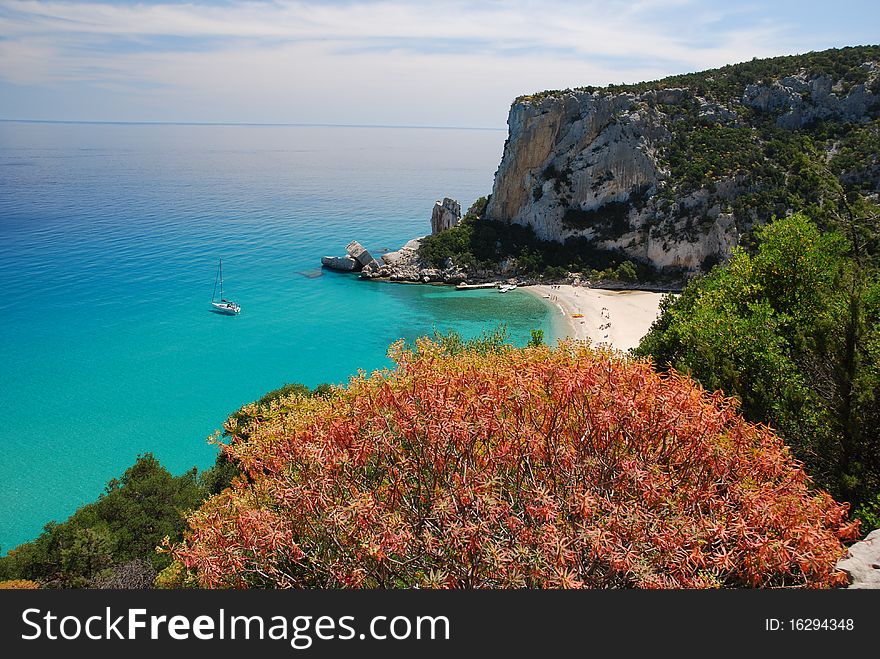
779	170
728	81
480	244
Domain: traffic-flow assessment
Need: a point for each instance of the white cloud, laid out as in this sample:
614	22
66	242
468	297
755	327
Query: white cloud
586	28
386	62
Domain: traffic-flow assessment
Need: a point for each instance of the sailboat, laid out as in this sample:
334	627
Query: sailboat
224	306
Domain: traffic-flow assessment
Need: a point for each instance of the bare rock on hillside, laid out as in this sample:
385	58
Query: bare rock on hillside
862	562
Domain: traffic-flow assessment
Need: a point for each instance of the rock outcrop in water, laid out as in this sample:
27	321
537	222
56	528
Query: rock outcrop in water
356	259
674	173
344	263
407	265
359	253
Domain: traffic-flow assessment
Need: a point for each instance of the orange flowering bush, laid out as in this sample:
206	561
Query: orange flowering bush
19	584
559	468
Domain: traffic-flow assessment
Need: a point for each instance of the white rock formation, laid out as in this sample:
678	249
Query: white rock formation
406	264
357	259
446	214
862	562
359	253
402	265
576	152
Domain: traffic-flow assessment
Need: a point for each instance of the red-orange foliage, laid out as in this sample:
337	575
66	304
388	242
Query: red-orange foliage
525	468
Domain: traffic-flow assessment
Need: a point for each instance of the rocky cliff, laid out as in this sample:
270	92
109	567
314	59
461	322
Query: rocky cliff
446	214
675	173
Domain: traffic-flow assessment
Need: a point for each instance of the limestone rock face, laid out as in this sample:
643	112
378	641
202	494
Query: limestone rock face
446	214
345	263
571	158
375	269
802	99
862	562
593	164
574	153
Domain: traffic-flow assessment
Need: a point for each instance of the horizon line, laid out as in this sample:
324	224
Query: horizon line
243	123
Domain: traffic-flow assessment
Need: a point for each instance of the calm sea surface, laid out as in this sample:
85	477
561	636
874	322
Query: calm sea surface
109	242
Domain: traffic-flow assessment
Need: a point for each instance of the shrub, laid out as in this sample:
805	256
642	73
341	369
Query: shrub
869	514
244	416
700	154
493	340
514	468
126	523
454	243
556	272
137	574
174	577
626	271
537	338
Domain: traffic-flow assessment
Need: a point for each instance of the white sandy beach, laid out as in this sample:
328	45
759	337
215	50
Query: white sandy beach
618	319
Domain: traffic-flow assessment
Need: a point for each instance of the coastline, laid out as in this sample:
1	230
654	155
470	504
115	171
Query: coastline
614	318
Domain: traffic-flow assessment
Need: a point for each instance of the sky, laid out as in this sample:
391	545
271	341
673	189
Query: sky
383	62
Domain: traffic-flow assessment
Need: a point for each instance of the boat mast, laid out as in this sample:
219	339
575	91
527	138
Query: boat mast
216	277
222	299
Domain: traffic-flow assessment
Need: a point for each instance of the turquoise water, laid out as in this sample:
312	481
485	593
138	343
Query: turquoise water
109	241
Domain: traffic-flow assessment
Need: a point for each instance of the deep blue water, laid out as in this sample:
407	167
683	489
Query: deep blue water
109	242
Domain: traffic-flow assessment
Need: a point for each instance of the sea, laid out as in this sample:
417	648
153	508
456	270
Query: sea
110	237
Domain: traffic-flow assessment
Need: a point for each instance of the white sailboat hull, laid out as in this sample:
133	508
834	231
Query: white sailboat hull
226	307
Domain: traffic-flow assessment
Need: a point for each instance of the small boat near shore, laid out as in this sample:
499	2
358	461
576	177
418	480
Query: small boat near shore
504	288
472	287
224	306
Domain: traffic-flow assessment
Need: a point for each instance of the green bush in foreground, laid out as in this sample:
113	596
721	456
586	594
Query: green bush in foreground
126	523
794	332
